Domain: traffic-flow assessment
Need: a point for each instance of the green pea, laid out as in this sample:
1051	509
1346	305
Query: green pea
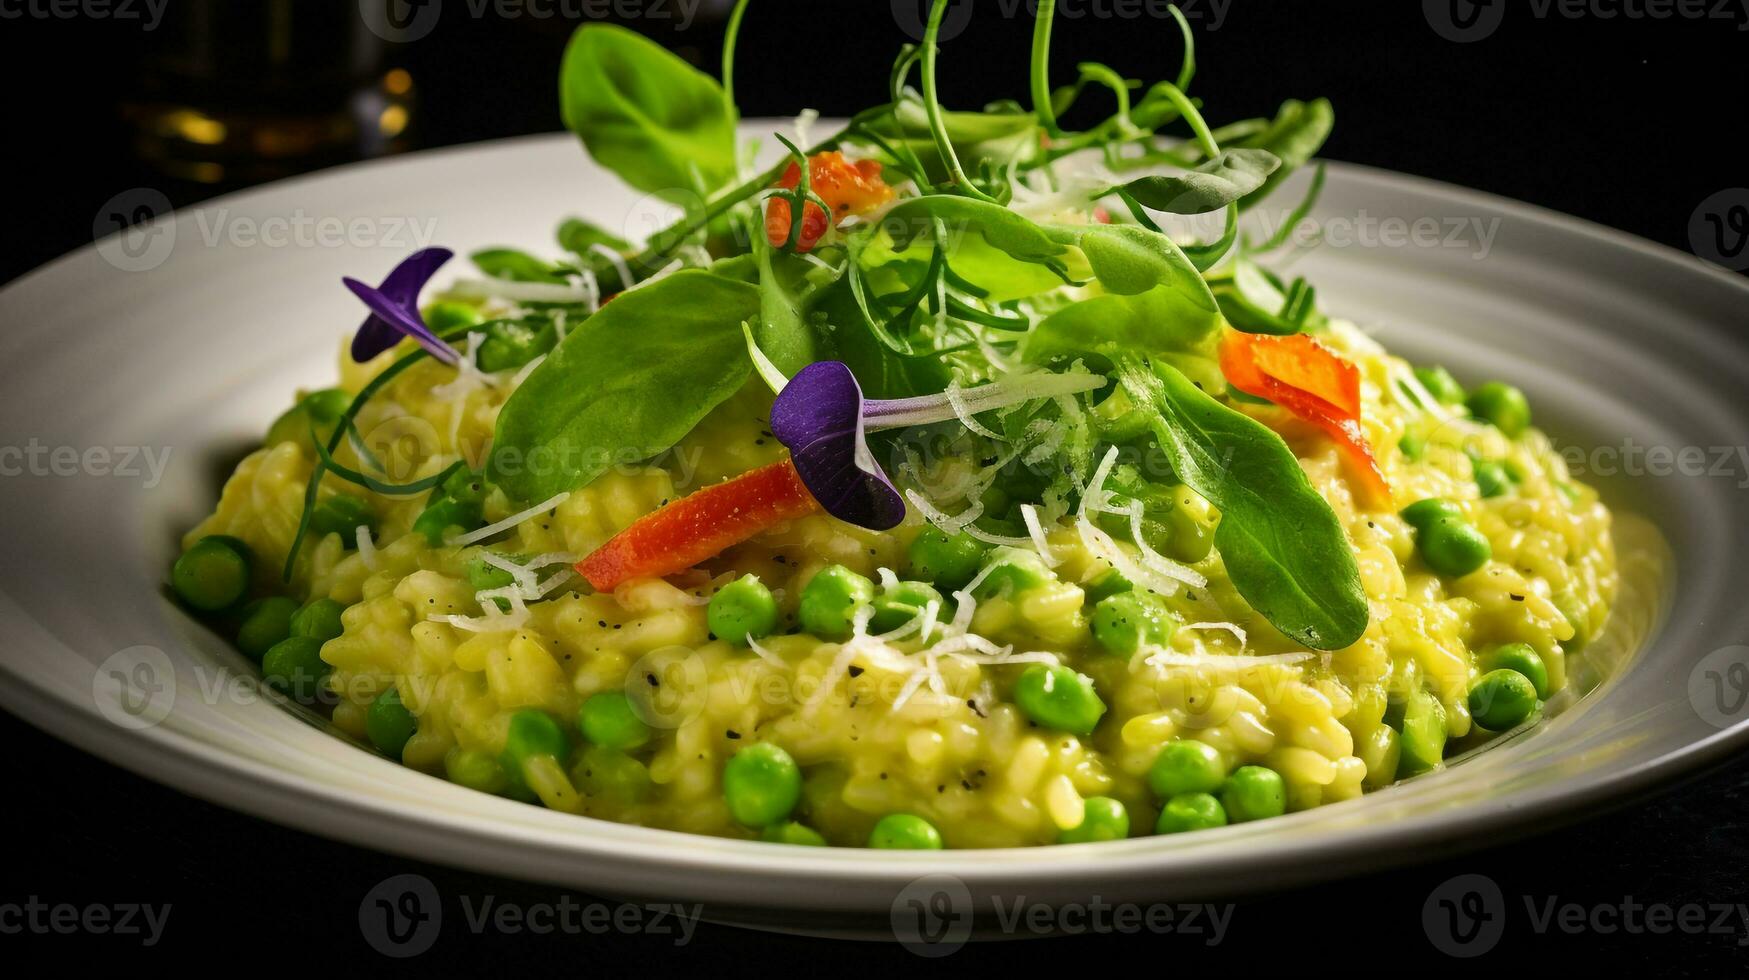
1424	512
389	724
946	561
1501	699
475	770
342	514
1523	658
904	832
213	574
449	314
1125	623
1254	793
1109	583
466	487
483	575
1013	570
1440	384
1412	446
1422	742
1102	818
1186	765
1491	479
295	665
320	410
607	719
319	621
443	513
830	600
533	734
1453	548
510	344
791	832
608	773
1056	697
1190	811
902	603
742	610
1577	616
761	784
1502	406
265	622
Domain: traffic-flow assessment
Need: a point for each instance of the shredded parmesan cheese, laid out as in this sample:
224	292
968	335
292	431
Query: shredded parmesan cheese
508	522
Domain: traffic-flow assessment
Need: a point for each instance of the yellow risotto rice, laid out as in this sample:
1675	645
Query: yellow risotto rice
889	728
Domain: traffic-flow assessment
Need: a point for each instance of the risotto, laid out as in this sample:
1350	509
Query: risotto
921	491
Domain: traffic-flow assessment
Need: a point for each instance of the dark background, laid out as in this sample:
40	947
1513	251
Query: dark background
1628	122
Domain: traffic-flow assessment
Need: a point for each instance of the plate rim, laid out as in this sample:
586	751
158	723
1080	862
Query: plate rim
354	817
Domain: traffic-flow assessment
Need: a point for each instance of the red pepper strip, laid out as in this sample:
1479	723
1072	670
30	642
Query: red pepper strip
850	188
1315	385
700	525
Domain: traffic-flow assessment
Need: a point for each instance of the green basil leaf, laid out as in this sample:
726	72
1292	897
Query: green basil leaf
1155	322
1210	187
784	284
662	125
508	263
1282	545
635	377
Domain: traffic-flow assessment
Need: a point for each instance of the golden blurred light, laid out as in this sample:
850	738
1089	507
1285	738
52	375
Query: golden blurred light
195	127
398	82
392	120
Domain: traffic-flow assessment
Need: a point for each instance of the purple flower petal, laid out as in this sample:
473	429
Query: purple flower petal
818	415
395	308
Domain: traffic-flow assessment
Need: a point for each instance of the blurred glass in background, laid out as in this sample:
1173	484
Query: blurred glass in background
241	91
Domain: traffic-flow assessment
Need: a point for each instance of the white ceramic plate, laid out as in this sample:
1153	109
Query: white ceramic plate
1619	343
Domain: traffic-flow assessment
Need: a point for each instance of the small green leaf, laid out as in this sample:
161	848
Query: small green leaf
662	125
634	378
1130	259
1295	136
508	263
1210	187
580	237
1282	545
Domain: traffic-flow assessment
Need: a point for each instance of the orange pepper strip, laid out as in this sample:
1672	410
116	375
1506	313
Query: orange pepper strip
850	188
700	525
1315	385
